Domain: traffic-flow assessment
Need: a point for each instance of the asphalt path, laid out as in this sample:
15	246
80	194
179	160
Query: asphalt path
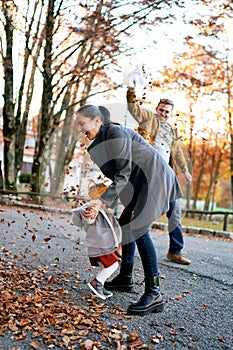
198	298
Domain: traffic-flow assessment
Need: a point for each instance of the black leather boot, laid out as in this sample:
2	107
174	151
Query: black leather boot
151	300
122	282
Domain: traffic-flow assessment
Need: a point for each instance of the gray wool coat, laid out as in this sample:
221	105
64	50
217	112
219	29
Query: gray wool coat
103	236
141	178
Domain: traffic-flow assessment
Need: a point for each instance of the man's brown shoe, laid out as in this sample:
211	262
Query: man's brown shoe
178	258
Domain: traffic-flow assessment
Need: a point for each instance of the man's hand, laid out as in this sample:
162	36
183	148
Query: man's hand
133	76
130	83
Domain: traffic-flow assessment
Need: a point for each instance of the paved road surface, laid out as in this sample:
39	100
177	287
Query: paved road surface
198	313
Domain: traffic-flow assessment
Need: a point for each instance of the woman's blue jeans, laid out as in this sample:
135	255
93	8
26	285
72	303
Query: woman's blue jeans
146	251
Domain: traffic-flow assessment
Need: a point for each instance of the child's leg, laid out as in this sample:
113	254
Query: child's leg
97	285
105	272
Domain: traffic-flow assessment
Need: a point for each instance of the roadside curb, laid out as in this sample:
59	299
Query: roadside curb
196	230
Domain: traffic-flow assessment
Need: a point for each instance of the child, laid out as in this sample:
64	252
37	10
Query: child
103	236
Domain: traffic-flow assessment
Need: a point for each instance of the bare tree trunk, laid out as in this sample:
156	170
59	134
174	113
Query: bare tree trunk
27	90
1	177
65	145
8	109
231	168
208	194
228	82
190	158
45	118
200	175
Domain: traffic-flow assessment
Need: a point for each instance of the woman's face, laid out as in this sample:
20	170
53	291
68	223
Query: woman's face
89	127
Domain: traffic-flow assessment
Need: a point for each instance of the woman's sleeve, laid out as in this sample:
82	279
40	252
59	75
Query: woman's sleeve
120	150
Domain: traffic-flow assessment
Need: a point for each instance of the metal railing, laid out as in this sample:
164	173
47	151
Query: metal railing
211	213
15	195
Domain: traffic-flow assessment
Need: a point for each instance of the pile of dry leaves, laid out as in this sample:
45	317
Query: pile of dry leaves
35	308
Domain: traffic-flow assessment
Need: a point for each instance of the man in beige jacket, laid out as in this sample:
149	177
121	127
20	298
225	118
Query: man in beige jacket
156	129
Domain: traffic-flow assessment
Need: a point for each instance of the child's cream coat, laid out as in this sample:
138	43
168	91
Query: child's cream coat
103	236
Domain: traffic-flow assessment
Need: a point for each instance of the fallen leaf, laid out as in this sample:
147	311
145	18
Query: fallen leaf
87	345
223	340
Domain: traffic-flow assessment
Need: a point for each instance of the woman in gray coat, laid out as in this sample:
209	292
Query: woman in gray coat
145	185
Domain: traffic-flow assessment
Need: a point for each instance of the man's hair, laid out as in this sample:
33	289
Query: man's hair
166	101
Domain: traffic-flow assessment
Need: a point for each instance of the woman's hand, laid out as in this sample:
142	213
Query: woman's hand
98	204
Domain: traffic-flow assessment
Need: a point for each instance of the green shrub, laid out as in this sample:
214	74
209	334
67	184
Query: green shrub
25	178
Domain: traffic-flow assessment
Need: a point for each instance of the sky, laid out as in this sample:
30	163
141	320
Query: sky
160	45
